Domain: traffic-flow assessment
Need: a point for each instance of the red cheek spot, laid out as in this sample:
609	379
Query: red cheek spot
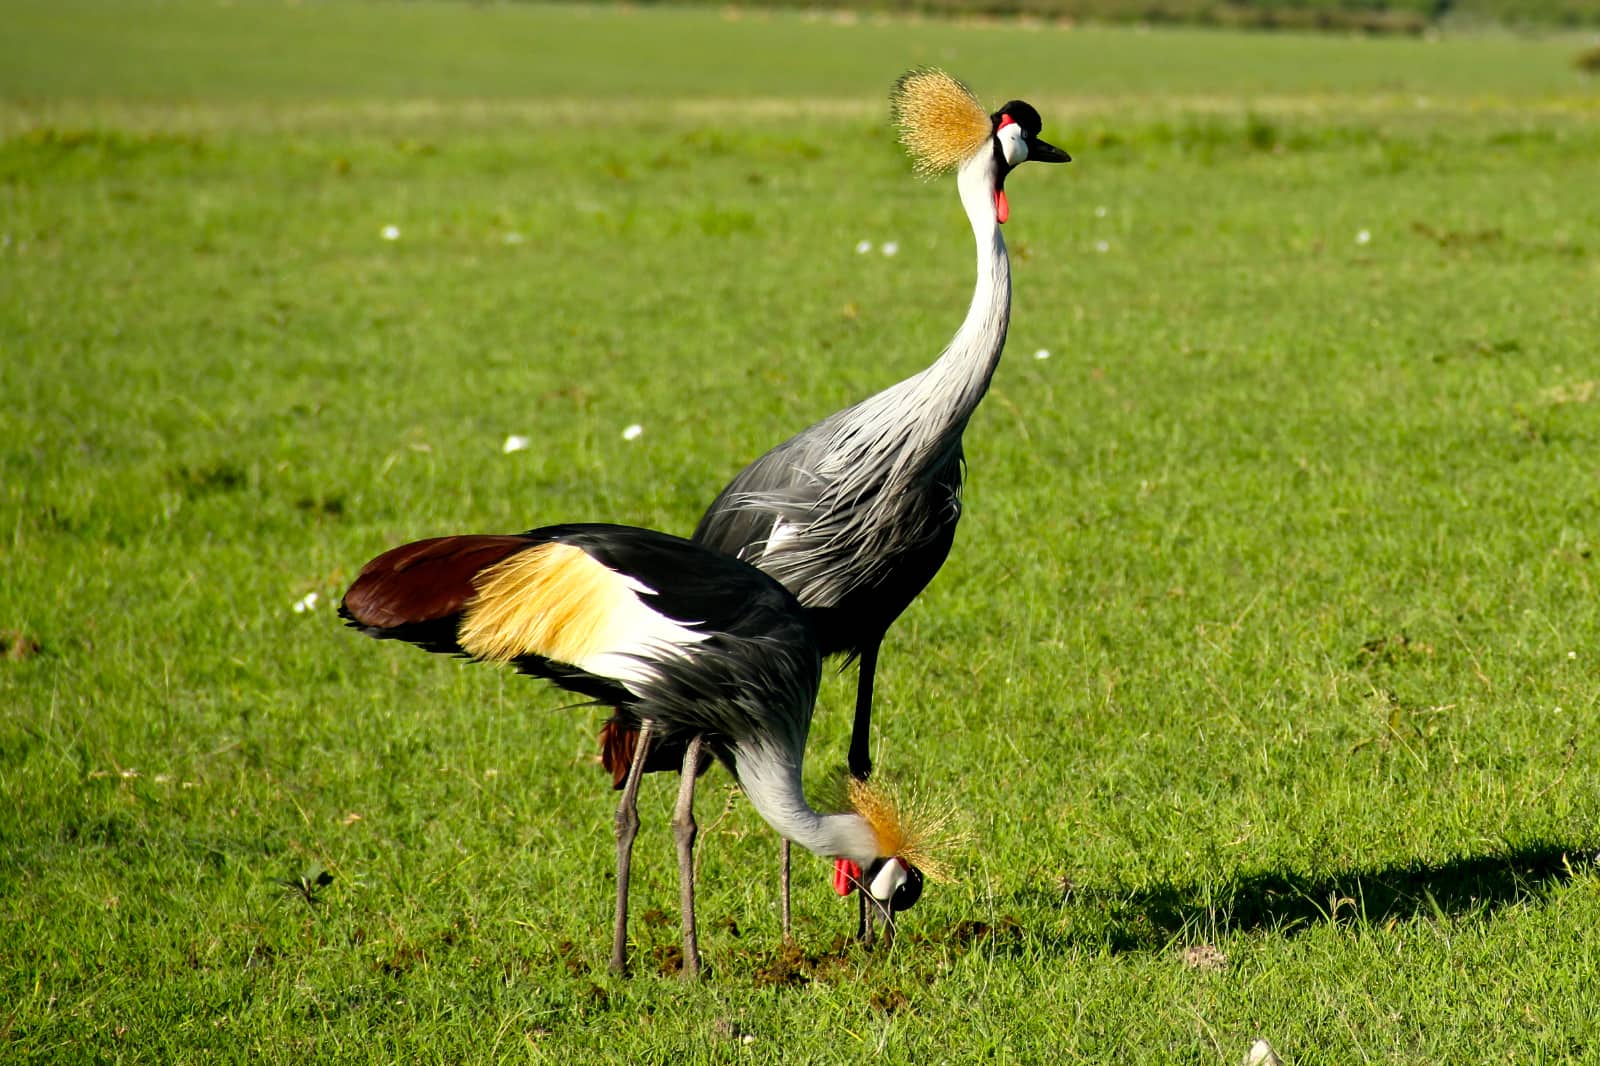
1005	120
846	875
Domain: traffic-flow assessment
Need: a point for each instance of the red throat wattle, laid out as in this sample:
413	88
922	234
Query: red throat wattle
1002	210
846	875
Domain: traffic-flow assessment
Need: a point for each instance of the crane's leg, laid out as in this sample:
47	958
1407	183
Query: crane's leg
627	829
783	886
888	925
860	734
685	830
861	763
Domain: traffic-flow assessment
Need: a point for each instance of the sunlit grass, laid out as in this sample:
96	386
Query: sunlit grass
1269	628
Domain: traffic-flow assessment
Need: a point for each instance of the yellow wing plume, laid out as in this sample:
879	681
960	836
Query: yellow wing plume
551	600
940	121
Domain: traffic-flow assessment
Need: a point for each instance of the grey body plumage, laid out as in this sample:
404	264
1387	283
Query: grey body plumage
834	511
857	513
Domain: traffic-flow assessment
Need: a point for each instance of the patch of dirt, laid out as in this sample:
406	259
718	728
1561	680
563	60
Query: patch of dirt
1577	392
1207	958
788	968
331	507
198	482
571	958
728	1029
261	954
1457	240
668	959
888	1000
1392	650
404	957
15	645
964	935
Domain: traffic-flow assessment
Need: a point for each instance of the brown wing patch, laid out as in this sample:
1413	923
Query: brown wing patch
424	580
551	600
941	122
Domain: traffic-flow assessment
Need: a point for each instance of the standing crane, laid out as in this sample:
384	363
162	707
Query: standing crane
689	645
857	513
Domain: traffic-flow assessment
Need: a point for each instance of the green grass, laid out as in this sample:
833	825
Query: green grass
1271	625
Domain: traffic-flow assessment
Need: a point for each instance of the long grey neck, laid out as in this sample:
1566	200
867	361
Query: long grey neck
962	373
772	782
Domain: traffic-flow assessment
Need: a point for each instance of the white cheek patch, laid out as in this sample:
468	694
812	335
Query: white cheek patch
889	879
1013	144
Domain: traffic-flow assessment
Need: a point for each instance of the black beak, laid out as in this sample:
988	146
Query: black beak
1044	152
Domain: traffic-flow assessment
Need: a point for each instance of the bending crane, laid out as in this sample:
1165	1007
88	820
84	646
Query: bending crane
690	645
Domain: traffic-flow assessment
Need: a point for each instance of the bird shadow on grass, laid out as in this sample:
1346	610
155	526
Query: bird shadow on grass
1203	910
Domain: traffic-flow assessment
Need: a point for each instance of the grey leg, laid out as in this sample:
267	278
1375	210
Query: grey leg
627	829
861	764
869	910
783	887
685	830
860	733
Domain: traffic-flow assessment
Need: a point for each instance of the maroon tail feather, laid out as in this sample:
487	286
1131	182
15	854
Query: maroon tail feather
417	590
617	741
416	593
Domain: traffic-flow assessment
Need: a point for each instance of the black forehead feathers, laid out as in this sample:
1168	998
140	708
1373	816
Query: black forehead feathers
1023	114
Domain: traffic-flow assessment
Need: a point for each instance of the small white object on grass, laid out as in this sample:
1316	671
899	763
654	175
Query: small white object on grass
1042	353
390	232
1102	246
632	432
863	247
515	443
1100	212
1363	236
891	247
513	238
1261	1054
305	603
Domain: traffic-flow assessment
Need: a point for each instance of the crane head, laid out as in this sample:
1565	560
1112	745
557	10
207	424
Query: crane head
893	882
943	126
1016	141
910	839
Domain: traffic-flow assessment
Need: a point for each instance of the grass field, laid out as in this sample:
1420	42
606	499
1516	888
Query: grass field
1264	672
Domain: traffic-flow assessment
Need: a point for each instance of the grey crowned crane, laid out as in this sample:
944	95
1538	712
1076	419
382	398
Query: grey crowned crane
857	513
690	645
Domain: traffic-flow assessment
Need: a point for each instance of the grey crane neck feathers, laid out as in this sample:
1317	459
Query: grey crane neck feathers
771	779
930	409
884	476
